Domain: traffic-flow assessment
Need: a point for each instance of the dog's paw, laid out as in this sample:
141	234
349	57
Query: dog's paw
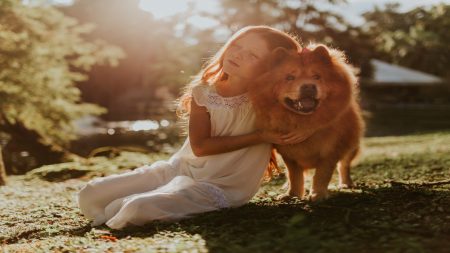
316	197
346	186
286	197
346	183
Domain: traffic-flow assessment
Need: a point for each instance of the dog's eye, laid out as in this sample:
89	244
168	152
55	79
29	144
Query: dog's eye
316	77
290	77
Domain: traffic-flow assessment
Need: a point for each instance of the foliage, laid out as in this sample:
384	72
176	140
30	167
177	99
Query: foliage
418	39
303	17
42	55
306	19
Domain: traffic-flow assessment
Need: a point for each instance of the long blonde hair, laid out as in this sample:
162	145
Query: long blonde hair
213	68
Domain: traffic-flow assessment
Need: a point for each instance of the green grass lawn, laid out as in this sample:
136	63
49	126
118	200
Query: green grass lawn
397	206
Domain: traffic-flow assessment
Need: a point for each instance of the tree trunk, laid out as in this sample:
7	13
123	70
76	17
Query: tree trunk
2	169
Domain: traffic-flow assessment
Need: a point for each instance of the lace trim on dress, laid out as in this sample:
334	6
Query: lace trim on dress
206	95
216	100
216	195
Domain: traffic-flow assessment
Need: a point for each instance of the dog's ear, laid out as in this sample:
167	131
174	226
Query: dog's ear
321	52
278	55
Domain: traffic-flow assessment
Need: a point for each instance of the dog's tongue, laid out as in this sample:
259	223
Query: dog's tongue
308	103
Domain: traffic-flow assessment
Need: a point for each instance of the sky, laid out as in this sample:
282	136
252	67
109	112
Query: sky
351	11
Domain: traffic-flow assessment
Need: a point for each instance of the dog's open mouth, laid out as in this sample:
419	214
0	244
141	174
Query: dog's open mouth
303	105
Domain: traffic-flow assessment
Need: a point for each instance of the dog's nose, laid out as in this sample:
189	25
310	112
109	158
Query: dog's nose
308	90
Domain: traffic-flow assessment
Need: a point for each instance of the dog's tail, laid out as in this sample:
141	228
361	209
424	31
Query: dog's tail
272	168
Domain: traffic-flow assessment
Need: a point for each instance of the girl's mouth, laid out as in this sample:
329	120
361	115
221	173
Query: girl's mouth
233	63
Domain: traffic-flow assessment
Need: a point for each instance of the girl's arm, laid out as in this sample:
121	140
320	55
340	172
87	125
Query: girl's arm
203	144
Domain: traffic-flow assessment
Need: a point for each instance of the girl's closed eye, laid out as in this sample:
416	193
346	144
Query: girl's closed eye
253	56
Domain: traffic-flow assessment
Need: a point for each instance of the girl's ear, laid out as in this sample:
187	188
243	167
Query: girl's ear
322	53
277	56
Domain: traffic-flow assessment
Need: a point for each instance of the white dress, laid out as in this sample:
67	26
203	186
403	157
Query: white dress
185	184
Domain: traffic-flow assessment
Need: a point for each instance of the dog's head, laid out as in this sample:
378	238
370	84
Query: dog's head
304	82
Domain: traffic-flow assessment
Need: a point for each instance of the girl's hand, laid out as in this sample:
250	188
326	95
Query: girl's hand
271	137
284	139
295	137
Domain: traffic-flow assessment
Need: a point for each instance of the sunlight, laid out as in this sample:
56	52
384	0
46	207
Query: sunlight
202	22
166	8
164	123
145	125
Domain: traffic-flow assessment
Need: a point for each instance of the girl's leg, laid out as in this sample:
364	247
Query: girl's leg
99	192
180	198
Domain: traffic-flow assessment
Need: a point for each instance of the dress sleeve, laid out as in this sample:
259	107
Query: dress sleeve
199	94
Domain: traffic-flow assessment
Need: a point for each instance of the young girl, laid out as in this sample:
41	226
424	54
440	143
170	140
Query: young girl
222	161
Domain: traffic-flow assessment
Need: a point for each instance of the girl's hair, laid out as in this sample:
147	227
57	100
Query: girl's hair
213	69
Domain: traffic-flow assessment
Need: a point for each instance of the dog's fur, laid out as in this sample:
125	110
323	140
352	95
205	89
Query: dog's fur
312	90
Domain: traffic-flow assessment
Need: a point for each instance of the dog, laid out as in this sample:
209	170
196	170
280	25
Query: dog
312	91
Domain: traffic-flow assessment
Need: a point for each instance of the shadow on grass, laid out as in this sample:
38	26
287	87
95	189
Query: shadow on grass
398	218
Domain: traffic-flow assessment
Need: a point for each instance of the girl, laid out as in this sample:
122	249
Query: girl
222	161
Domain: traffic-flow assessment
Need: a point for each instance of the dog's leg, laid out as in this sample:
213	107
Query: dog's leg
295	179
345	180
321	179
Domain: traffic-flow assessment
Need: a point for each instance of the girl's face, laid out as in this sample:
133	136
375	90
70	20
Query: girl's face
244	55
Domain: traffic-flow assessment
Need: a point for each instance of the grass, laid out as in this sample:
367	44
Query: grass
392	209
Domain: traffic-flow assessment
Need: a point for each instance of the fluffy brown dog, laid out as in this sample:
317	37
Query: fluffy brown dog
311	91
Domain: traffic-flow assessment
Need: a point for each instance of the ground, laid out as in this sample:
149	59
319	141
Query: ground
401	204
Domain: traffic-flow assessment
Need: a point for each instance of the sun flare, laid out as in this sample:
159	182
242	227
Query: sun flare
166	8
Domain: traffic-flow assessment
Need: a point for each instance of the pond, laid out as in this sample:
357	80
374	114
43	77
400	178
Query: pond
97	137
146	135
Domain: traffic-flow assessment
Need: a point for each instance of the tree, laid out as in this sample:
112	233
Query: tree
157	56
418	39
2	169
42	55
303	18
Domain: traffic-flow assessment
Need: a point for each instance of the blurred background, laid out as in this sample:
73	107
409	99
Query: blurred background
79	76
